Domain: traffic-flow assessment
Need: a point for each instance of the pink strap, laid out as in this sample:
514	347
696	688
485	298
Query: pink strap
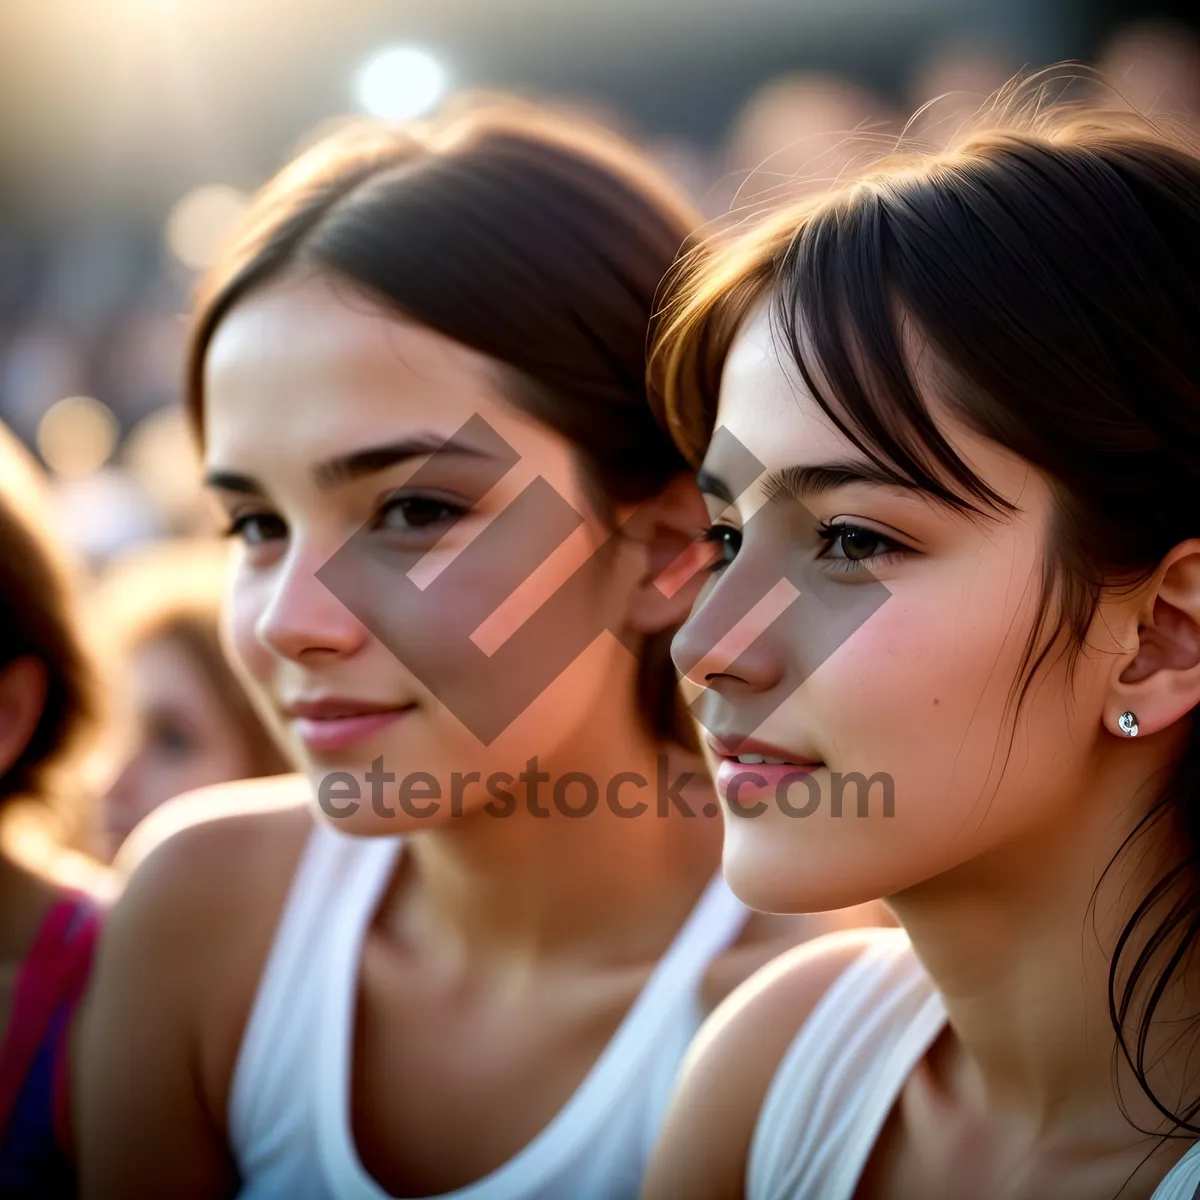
53	973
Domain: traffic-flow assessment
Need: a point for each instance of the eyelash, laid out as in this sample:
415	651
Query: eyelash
239	525
714	536
396	503
829	533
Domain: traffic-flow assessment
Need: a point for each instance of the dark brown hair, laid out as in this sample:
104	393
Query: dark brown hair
1052	264
535	240
39	619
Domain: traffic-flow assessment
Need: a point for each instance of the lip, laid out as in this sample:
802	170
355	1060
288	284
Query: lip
756	781
773	773
331	723
731	745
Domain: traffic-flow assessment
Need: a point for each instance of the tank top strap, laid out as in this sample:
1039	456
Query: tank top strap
672	992
333	895
590	1127
711	927
1182	1182
842	1073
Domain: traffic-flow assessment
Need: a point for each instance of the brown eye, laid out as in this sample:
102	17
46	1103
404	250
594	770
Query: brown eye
846	544
256	528
858	543
416	512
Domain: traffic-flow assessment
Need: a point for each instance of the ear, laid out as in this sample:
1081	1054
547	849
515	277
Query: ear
668	528
1159	680
22	700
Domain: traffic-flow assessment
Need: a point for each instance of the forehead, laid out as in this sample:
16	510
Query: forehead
311	365
764	402
766	408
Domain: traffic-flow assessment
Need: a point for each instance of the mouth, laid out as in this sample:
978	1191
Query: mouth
758	759
334	723
750	752
750	772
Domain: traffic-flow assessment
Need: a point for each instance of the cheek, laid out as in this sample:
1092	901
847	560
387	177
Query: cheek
932	672
244	605
491	648
928	693
460	776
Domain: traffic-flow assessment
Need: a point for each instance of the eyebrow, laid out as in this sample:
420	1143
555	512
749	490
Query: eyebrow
805	482
811	480
713	485
346	468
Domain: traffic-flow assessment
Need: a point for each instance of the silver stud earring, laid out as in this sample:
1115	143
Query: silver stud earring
1128	725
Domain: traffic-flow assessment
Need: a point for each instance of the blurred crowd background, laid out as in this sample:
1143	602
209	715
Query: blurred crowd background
132	133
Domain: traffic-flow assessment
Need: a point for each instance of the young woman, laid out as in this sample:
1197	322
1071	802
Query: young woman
419	383
194	725
959	397
49	710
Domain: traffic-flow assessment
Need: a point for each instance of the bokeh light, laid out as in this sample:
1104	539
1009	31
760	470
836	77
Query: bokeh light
400	83
77	436
160	456
202	221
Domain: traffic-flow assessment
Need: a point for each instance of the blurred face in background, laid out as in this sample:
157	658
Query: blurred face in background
184	736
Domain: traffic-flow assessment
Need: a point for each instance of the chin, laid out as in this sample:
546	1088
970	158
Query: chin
353	799
769	874
366	823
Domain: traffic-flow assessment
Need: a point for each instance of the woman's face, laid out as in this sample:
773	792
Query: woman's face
367	465
898	658
185	739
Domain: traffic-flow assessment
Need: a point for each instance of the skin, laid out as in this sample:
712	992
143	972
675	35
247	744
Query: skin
505	952
185	738
989	863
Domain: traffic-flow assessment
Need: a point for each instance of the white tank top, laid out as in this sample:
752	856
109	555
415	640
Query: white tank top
842	1075
289	1103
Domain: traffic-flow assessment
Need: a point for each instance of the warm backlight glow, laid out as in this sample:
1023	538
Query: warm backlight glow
400	83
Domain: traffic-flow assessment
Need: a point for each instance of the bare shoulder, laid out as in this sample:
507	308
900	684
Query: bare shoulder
221	818
705	1141
206	872
207	876
174	980
765	936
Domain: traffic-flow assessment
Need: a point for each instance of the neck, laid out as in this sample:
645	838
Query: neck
601	887
1019	944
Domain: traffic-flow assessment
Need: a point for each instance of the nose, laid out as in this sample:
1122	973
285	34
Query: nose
724	644
302	619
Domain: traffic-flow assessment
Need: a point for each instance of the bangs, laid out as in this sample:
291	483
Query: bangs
1021	281
843	314
839	308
